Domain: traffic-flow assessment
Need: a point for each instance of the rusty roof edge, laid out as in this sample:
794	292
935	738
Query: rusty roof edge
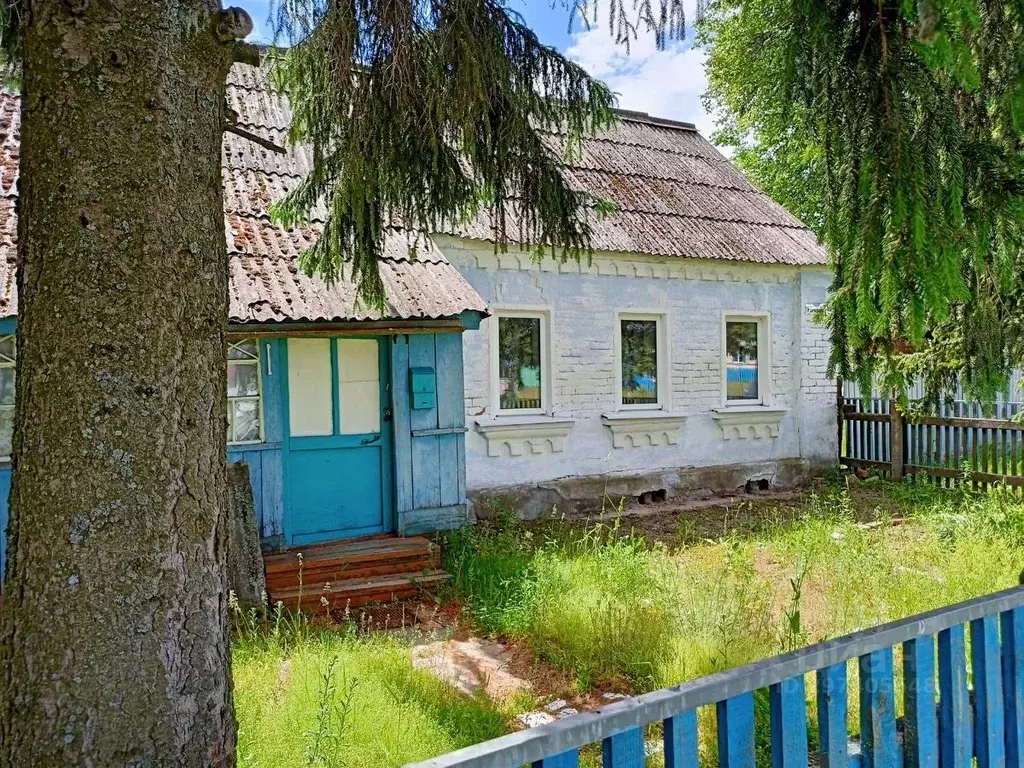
644	117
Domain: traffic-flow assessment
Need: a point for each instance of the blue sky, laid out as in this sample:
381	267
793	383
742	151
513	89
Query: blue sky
665	83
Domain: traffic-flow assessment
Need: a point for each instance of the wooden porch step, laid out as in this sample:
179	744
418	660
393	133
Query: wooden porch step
352	593
349	560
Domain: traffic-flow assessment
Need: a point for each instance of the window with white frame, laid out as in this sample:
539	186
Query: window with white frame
641	361
746	359
244	417
8	353
520	350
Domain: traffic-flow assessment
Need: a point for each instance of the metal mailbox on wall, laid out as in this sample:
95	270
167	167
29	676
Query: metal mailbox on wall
423	388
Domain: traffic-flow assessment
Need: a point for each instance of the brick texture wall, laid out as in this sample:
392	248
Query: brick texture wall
582	302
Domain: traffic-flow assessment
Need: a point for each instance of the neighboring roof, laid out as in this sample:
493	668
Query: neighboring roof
675	195
266	284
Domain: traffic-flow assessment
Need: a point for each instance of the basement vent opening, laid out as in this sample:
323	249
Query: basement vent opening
653	497
753	486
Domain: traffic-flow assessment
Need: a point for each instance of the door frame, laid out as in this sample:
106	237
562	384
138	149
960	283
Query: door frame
387	434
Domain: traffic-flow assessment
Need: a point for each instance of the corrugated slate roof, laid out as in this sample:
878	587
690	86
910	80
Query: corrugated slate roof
674	195
266	284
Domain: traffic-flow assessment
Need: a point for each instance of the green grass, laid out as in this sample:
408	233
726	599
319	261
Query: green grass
328	698
609	609
603	605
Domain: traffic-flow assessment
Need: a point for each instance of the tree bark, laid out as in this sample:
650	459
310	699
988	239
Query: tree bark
115	627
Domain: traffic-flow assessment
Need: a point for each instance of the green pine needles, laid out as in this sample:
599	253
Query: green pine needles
910	115
421	114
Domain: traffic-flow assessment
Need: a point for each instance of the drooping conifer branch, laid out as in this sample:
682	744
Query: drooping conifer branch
909	117
427	112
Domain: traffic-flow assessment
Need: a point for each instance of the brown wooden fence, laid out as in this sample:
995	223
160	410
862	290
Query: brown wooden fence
959	441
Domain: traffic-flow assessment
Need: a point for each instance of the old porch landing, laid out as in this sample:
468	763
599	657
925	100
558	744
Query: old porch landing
347	574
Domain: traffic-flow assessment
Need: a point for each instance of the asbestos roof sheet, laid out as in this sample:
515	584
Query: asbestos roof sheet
673	194
266	283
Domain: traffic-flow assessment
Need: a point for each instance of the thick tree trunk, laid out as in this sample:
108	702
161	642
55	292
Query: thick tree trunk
115	647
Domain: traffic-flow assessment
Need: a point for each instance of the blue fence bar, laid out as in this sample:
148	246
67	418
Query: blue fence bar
681	740
991	731
1013	684
921	731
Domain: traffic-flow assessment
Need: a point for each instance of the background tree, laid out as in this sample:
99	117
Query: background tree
114	640
894	128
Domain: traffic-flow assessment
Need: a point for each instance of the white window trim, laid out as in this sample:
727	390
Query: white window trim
764	358
259	387
664	364
546	367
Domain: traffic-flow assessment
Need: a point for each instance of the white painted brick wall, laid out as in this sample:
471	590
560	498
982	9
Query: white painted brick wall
693	295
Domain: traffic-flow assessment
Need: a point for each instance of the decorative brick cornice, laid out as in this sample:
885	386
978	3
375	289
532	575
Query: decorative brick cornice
622	265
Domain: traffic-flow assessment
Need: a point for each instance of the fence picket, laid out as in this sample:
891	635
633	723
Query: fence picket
954	706
832	716
1013	685
788	708
921	735
681	746
879	744
988	693
570	759
736	731
624	750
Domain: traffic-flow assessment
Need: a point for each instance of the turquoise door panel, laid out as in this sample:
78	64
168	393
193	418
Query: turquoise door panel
337	485
335	493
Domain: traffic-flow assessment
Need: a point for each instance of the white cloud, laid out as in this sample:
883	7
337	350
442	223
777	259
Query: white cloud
666	83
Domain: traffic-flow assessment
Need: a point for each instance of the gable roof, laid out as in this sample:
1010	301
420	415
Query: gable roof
675	195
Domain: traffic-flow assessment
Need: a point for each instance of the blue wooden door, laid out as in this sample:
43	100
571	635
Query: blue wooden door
338	439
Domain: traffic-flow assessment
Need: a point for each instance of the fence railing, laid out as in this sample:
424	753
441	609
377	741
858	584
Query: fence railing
990	448
947	720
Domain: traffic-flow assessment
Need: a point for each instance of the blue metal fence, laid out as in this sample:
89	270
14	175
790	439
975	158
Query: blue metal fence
963	700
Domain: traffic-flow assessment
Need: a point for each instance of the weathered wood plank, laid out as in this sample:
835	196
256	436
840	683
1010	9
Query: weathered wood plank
921	735
832	716
879	744
401	426
955	738
624	750
1013	685
987	670
788	716
426	451
736	731
681	746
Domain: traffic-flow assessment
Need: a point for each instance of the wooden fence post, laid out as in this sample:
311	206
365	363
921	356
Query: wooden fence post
896	441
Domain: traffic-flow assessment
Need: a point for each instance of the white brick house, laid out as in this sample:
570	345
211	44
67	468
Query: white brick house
684	356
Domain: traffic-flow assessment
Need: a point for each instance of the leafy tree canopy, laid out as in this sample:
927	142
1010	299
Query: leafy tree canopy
894	129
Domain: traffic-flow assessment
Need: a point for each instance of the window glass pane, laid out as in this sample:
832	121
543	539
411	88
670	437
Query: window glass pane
7	349
243	380
243	350
246	420
7	385
639	362
519	366
741	361
6	430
